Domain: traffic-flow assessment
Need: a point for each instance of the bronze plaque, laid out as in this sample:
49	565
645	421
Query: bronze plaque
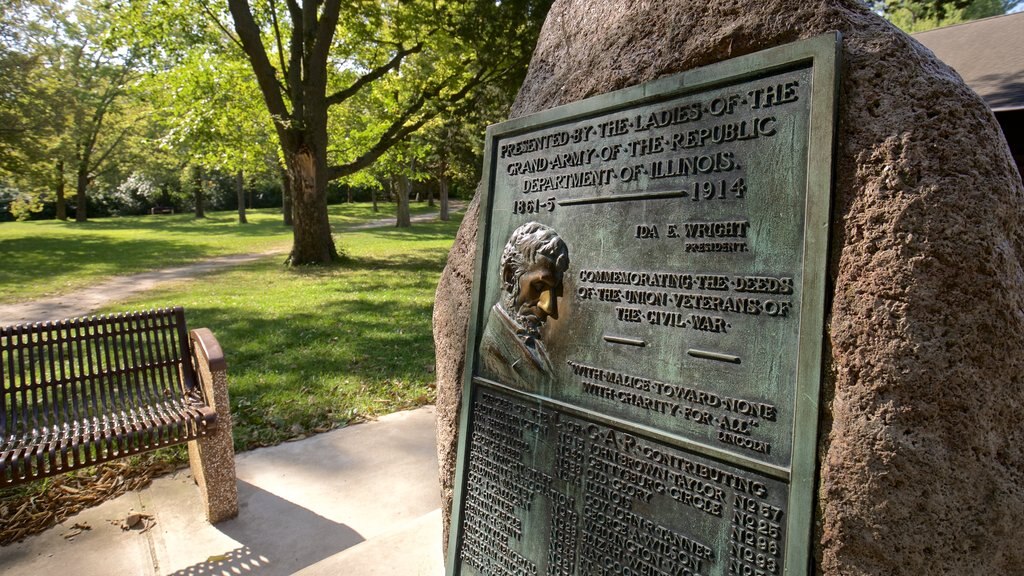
645	346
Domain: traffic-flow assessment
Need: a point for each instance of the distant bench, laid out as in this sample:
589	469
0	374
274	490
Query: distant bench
161	210
82	391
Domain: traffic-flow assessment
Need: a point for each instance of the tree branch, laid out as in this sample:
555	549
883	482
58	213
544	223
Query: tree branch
280	45
295	58
372	75
213	18
308	35
266	76
103	156
399	130
324	37
378	150
106	101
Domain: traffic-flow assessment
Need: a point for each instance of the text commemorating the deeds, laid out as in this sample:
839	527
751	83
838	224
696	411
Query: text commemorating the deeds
645	344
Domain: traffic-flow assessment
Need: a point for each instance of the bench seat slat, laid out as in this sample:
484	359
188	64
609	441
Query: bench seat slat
150	368
83	391
171	423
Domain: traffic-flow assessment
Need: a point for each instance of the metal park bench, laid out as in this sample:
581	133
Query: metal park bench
83	391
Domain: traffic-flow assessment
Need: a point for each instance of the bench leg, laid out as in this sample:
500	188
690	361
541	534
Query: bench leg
212	457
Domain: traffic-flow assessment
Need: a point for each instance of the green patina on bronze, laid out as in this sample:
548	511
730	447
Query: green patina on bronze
645	346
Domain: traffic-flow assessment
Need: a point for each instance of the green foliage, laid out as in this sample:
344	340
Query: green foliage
920	15
454	144
208	111
383	69
70	99
103	96
123	92
27	95
449	145
469	52
23	205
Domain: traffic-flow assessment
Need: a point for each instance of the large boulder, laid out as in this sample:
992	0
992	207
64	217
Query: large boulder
922	436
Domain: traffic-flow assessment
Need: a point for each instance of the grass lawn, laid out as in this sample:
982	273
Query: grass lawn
308	349
43	258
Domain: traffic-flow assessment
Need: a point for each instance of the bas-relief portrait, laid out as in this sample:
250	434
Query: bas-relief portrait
531	268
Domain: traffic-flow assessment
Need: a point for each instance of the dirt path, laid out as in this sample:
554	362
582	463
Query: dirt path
92	298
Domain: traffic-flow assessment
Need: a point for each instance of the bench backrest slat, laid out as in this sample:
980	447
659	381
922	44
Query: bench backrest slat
62	373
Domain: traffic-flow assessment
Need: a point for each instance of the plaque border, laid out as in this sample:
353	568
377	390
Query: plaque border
822	54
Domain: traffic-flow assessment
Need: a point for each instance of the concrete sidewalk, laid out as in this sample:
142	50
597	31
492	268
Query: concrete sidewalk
362	500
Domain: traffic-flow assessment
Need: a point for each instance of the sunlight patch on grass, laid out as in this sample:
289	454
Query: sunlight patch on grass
313	348
44	258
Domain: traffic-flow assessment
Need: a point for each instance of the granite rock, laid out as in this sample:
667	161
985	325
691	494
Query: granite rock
921	441
451	321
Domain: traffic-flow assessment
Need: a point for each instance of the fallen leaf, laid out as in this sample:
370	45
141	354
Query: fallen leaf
137	521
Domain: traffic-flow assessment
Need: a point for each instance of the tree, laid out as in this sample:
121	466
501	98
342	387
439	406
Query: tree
198	193
398	167
19	74
210	113
312	56
99	74
443	160
240	192
31	104
920	15
75	82
453	145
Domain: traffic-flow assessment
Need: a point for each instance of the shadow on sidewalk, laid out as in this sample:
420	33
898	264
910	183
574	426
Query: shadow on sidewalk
278	537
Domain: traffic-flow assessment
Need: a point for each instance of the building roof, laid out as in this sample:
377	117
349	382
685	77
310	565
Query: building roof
988	54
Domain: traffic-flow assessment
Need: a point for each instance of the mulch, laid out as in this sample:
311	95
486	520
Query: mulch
24	512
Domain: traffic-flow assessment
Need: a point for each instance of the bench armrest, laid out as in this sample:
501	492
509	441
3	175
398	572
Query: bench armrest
205	342
211	371
212	456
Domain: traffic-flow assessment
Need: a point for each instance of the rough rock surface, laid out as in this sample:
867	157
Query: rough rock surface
451	321
922	442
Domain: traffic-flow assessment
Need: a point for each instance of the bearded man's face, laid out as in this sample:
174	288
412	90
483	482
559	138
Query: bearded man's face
535	295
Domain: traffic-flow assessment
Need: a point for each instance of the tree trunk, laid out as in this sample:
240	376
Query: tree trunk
348	189
313	243
430	196
165	197
443	184
81	186
240	189
286	197
402	192
62	208
373	198
197	191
